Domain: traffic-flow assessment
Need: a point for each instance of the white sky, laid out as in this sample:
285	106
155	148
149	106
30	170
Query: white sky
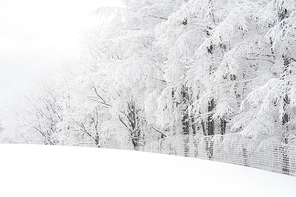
39	33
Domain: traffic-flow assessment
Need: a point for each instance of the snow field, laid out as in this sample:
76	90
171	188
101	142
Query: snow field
34	170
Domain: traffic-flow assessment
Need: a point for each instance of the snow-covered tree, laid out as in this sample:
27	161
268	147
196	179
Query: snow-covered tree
196	45
268	112
137	68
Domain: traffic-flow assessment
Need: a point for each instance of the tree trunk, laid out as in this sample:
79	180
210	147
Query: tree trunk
285	139
223	126
133	125
210	129
285	117
185	120
194	129
211	125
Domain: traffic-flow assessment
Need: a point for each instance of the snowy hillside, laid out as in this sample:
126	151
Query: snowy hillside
30	170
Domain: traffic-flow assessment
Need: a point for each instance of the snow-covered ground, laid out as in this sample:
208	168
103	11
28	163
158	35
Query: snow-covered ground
31	170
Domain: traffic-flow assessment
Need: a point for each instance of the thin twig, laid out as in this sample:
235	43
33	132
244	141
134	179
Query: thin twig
159	132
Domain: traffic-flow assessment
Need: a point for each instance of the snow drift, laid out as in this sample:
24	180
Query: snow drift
34	170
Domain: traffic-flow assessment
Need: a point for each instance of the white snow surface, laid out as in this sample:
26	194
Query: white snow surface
35	170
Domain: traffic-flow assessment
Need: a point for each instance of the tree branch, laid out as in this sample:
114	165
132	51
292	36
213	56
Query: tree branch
159	17
104	102
50	142
84	130
258	58
159	132
123	122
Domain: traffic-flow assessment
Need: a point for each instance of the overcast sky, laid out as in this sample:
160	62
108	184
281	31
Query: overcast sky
40	33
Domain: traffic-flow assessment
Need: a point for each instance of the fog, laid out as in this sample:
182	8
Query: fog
35	35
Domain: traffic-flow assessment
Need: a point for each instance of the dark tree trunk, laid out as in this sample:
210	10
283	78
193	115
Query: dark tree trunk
185	112
211	125
285	117
185	123
194	125
210	129
285	136
194	129
185	119
223	126
245	156
135	144
133	124
203	128
97	140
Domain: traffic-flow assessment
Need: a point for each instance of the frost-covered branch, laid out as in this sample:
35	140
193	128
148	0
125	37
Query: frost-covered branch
159	17
162	134
43	134
104	102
